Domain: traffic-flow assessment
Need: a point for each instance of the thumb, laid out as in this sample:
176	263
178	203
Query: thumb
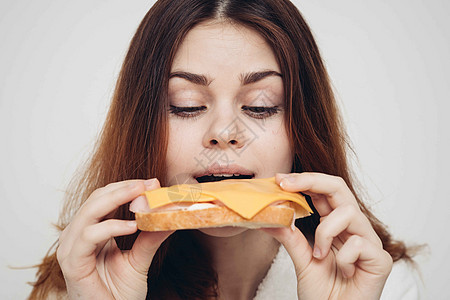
296	245
144	249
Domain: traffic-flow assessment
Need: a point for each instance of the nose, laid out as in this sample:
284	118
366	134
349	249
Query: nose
226	130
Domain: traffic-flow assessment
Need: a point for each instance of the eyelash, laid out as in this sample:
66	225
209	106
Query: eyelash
186	112
257	112
261	112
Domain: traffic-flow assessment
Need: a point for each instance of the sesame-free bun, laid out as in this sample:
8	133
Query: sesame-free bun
219	216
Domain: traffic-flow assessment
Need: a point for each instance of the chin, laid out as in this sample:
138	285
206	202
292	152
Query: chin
227	231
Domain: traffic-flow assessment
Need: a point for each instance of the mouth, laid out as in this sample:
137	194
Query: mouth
219	173
220	177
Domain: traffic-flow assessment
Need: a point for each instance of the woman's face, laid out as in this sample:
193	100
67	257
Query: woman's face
226	108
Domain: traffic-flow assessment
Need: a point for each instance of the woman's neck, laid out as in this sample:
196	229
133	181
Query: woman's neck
241	261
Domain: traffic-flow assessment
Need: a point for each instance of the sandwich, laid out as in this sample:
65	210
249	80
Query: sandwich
250	203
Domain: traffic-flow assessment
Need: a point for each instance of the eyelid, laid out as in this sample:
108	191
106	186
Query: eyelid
186	111
192	112
274	107
263	113
187	107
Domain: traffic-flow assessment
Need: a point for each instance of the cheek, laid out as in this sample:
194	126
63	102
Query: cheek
177	147
175	143
182	147
275	139
283	145
182	137
274	148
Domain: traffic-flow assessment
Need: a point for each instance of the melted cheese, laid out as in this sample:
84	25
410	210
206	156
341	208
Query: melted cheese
246	197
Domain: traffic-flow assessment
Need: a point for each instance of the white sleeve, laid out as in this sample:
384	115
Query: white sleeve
403	283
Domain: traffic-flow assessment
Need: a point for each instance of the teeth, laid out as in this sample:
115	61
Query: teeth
223	175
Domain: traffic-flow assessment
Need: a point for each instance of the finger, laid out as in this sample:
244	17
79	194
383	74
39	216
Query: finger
112	187
368	257
344	221
334	188
144	249
98	207
150	184
101	205
296	245
82	224
140	204
320	201
93	235
321	204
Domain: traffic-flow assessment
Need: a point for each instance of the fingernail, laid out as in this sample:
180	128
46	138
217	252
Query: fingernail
149	183
316	252
132	223
287	178
293	226
282	175
285	181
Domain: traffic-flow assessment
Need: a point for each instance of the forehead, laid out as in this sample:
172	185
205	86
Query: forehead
221	46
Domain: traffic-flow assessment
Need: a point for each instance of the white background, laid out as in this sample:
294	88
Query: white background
389	62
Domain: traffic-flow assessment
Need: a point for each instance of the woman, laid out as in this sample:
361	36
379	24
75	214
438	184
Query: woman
243	80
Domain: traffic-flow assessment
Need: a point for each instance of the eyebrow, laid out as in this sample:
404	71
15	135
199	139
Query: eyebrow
245	78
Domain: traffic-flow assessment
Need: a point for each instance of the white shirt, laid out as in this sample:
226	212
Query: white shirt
281	282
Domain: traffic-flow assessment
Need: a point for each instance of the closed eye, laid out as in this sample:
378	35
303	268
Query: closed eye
260	112
257	112
186	111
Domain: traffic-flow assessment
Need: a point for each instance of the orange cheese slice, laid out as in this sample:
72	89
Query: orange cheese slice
246	197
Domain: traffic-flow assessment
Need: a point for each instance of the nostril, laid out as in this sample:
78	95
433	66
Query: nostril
215	142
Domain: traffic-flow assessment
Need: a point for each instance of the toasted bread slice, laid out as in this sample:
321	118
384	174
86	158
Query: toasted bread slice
220	216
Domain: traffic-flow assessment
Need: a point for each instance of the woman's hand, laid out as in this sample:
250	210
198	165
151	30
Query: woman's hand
348	260
92	264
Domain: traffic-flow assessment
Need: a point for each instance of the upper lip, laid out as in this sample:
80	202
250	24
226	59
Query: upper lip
224	169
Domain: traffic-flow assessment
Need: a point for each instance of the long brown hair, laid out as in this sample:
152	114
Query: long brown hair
133	140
